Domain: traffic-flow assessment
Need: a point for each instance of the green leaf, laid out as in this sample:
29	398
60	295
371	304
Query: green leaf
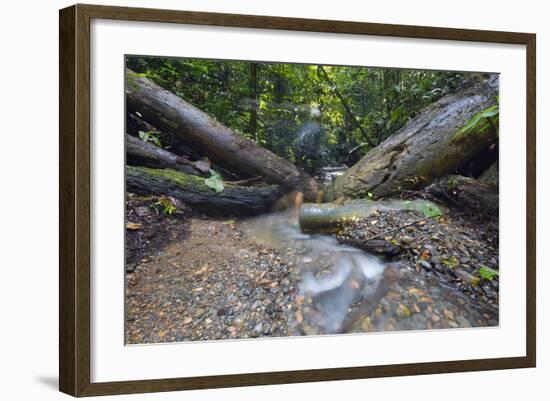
143	135
490	112
215	181
431	211
156	141
472	123
451	262
487	273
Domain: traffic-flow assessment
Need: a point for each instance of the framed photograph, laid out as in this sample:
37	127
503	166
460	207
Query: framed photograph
250	200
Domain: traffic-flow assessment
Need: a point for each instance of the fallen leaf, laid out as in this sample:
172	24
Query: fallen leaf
187	320
132	226
201	270
299	317
415	291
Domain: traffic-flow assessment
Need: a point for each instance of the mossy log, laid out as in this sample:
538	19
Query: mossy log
141	153
330	217
430	146
198	130
192	190
467	194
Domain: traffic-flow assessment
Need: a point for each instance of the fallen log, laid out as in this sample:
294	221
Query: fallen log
141	153
467	194
196	129
490	176
330	217
134	124
430	146
192	190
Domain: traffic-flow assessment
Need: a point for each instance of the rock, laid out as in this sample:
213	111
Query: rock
467	278
406	240
489	293
426	265
419	320
403	311
463	322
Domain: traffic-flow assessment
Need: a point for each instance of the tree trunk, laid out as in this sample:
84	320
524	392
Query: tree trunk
466	193
253	124
141	153
134	124
169	112
192	190
430	146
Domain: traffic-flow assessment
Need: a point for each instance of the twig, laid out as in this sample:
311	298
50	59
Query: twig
401	227
200	319
246	181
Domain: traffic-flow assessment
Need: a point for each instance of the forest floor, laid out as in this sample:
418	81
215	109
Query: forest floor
195	278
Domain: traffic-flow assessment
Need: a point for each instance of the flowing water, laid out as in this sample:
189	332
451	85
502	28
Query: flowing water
344	289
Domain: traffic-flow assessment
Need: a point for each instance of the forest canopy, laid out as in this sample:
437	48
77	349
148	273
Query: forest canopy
312	115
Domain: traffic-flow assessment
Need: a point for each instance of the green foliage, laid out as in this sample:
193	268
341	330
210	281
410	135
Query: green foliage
311	118
451	262
430	210
215	181
482	122
166	205
488	273
150	136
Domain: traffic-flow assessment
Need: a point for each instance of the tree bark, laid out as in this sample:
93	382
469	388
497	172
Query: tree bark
169	112
134	124
253	124
490	176
192	190
430	146
466	193
141	153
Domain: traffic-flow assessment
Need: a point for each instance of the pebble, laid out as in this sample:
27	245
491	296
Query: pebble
426	265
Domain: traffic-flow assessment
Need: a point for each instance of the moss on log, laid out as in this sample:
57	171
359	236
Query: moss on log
328	217
232	201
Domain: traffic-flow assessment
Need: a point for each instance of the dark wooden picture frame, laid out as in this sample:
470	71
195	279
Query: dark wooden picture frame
74	203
